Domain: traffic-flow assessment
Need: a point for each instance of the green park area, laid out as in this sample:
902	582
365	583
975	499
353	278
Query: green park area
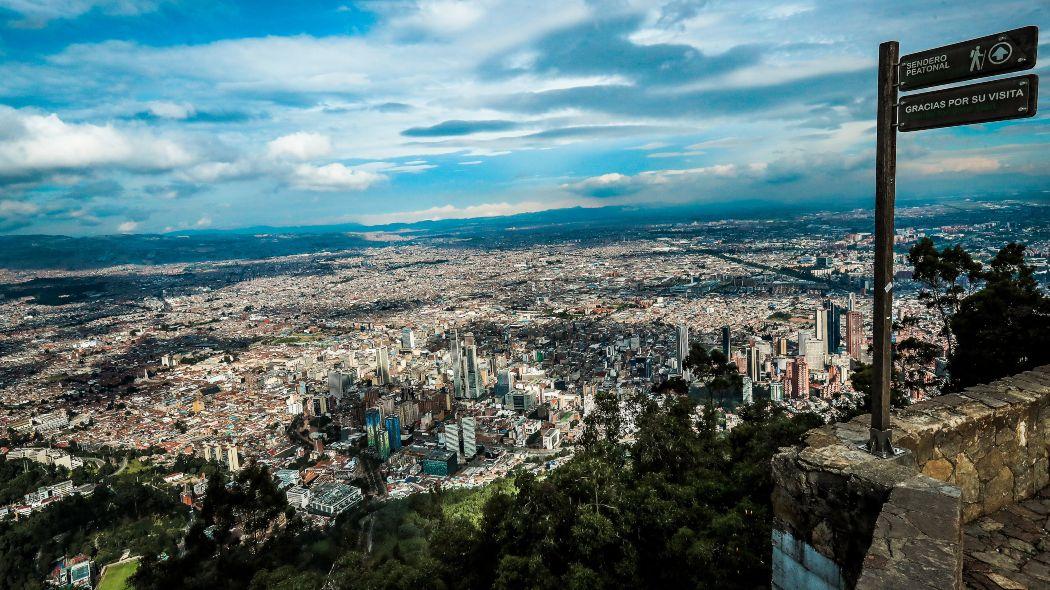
117	575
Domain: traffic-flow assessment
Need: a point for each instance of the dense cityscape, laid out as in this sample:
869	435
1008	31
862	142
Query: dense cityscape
419	365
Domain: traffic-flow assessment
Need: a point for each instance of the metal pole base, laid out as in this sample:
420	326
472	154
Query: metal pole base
879	444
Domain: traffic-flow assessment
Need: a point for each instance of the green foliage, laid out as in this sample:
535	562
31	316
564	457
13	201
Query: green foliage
119	516
998	326
1004	328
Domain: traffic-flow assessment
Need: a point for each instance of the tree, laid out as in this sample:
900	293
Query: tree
940	273
1003	328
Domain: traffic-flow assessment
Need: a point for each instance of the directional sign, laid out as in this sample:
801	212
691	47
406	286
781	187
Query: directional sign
998	100
1011	51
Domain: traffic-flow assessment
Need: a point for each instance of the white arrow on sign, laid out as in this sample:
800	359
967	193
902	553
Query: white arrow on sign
1000	52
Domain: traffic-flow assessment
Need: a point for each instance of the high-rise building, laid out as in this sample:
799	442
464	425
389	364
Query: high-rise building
383	440
233	460
803	340
372	424
776	391
800	378
834	323
383	365
820	330
682	334
338	383
754	366
747	393
504	386
727	343
472	371
854	334
408	339
393	430
470	446
458	370
780	346
452	438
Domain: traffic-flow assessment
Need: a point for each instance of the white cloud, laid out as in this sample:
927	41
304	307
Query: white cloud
333	177
39	12
300	146
218	171
43	143
468	212
127	227
171	110
950	165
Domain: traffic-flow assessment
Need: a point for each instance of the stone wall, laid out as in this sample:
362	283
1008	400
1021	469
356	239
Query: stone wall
887	523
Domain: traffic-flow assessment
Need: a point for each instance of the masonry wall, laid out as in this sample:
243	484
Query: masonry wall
881	523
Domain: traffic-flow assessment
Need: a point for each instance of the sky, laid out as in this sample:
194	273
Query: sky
149	116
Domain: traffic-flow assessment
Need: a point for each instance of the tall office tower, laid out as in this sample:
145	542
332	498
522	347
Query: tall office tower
780	346
854	334
383	438
820	330
815	356
408	339
393	430
754	368
233	461
383	365
727	343
470	446
834	328
776	391
683	346
850	303
504	385
372	420
800	378
747	394
803	340
472	372
338	383
452	438
458	372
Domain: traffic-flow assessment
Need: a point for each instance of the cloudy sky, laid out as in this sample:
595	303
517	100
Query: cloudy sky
162	115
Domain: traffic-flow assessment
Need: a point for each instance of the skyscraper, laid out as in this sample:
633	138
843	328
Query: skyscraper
834	323
372	420
727	344
393	430
472	371
754	367
800	378
233	461
854	334
820	330
504	386
683	346
452	438
383	365
408	339
747	393
458	370
776	391
470	447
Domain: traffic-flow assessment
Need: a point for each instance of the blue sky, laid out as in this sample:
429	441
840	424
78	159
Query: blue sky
121	116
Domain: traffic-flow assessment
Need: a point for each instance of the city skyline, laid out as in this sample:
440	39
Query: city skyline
144	117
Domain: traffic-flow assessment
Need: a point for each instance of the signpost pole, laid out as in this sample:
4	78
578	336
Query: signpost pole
885	193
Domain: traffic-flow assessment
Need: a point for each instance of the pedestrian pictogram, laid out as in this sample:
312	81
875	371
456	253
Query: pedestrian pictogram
976	59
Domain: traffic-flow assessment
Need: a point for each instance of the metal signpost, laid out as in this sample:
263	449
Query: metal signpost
998	100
